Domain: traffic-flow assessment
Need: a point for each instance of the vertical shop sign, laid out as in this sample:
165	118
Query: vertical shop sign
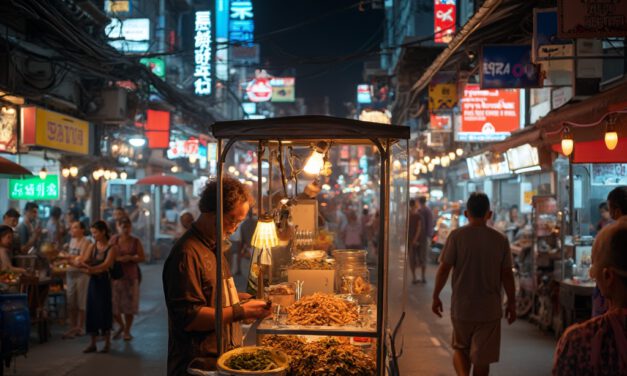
444	18
364	93
241	24
222	39
34	188
592	18
8	129
203	54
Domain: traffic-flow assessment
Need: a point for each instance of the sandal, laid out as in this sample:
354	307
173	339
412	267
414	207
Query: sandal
118	334
128	337
90	349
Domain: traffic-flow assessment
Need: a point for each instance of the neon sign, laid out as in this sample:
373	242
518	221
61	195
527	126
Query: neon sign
241	25
203	54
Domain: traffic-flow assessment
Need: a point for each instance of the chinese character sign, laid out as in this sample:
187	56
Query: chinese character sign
444	19
203	54
34	188
241	24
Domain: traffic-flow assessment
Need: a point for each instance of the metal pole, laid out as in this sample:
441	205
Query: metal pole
381	262
219	291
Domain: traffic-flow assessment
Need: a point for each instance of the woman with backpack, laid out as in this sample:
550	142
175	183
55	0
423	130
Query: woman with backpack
98	262
130	253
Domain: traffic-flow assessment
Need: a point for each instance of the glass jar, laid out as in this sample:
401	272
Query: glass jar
354	281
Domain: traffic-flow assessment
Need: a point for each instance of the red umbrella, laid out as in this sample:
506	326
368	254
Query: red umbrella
8	167
161	179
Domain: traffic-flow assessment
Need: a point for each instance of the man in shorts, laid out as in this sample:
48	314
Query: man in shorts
481	261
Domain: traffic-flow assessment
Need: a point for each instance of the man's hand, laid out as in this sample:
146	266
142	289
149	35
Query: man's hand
244	296
510	312
436	306
256	309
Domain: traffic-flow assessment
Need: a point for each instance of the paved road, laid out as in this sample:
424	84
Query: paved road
525	350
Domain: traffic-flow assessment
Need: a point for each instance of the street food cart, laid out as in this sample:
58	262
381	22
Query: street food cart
320	291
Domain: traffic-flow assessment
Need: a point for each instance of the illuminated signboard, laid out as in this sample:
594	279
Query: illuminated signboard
488	115
241	24
222	39
283	89
155	64
34	188
203	54
442	122
444	20
508	66
523	156
364	94
129	35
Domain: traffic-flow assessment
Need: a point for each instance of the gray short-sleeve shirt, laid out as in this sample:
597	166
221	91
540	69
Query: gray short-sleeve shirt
478	254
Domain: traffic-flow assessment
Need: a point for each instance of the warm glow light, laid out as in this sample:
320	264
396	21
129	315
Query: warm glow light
107	174
611	139
459	152
123	175
137	141
445	161
452	156
114	175
431	167
146	199
568	143
174	169
74	171
436	161
424	169
193	158
65	172
43	173
96	174
265	236
314	163
115	148
427	159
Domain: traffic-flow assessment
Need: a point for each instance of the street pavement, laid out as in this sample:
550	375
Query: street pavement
525	350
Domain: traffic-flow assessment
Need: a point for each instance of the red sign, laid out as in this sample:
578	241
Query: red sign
488	115
441	122
259	90
444	20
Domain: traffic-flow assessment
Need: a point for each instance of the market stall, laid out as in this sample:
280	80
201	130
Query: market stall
323	297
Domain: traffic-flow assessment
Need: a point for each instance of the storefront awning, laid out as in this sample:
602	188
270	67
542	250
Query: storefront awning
596	152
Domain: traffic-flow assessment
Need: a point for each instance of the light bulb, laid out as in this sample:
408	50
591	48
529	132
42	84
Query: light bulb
107	174
43	173
74	171
146	199
424	169
459	152
65	172
115	148
96	174
452	156
436	161
314	163
427	159
174	169
123	175
114	175
193	158
445	161
611	137
137	141
431	167
568	143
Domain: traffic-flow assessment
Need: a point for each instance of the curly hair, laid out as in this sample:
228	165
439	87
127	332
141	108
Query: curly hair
233	194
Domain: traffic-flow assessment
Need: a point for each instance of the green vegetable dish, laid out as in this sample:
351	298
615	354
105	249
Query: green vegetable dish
260	360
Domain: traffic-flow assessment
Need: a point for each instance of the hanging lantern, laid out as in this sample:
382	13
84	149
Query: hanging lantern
611	136
43	173
65	172
74	171
568	144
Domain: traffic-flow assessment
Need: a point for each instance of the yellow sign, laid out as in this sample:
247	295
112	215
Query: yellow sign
61	132
442	96
528	196
117	6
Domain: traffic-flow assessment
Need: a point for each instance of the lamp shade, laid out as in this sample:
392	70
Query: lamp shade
611	140
265	236
314	163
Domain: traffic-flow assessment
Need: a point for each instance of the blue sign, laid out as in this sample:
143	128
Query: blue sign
222	19
545	31
508	66
241	24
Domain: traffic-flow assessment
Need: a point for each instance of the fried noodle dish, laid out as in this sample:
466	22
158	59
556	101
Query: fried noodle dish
323	310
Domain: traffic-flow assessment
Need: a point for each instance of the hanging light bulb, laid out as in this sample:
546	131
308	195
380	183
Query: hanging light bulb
174	169
107	174
427	159
611	136
424	169
43	173
452	155
568	143
316	159
96	174
73	171
431	167
436	161
193	158
114	175
445	161
459	152
65	172
123	175
115	148
146	199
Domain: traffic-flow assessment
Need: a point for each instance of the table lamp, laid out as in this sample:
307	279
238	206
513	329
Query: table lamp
264	238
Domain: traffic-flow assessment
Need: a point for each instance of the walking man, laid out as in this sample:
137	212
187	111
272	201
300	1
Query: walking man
481	261
415	231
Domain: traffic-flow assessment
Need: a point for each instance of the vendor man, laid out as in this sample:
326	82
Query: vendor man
189	284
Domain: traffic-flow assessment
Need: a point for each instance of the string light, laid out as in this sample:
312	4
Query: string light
427	159
568	144
452	155
65	172
123	175
43	173
459	152
611	136
73	171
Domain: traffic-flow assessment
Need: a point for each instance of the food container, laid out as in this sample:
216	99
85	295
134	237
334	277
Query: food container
350	257
311	255
353	281
279	357
283	294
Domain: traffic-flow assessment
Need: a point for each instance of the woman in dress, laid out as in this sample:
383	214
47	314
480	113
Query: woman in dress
130	253
98	260
77	280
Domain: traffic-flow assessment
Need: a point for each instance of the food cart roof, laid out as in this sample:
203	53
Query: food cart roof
308	128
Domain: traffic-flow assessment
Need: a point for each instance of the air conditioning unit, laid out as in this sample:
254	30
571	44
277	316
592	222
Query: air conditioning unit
110	106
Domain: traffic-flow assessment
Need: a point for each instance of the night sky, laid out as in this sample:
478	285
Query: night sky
324	41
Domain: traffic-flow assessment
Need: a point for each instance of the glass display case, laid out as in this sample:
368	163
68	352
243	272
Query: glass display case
325	189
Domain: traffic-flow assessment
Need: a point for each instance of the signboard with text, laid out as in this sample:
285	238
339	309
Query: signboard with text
488	115
8	129
34	188
444	18
441	122
283	89
508	66
364	93
203	53
442	96
41	127
592	18
129	35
